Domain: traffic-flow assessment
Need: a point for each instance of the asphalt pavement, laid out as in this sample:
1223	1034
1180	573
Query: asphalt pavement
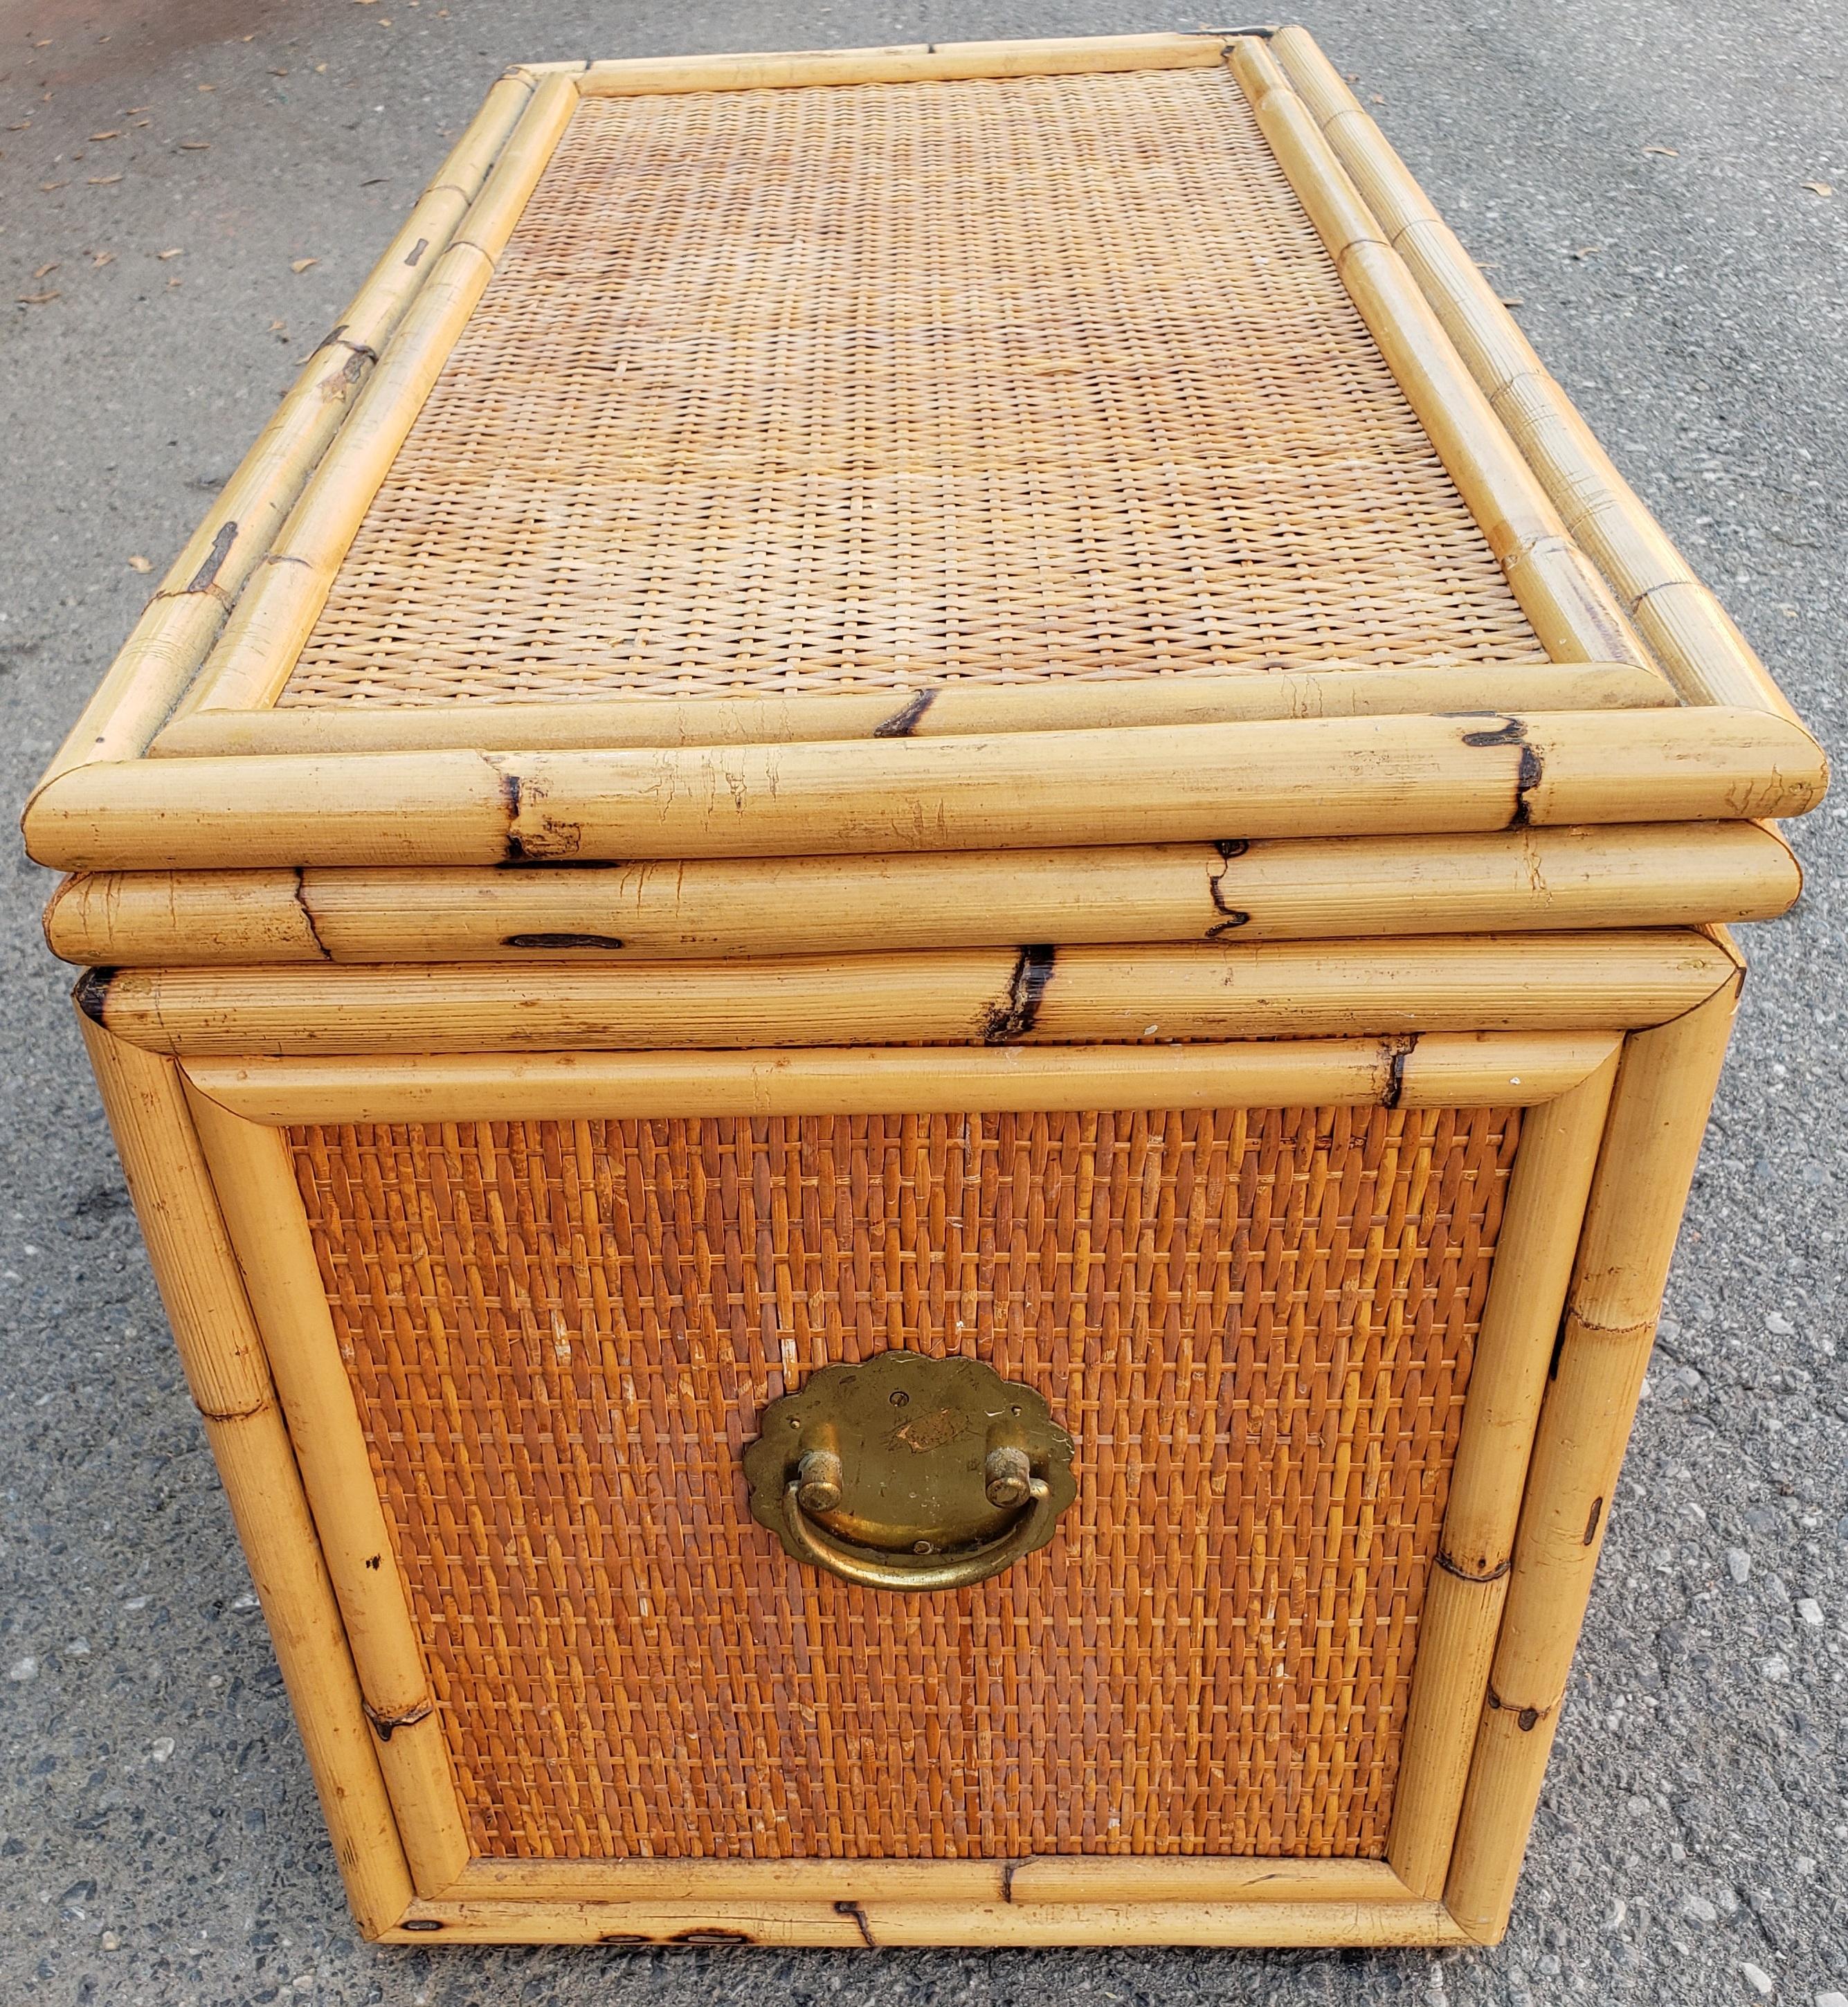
1661	191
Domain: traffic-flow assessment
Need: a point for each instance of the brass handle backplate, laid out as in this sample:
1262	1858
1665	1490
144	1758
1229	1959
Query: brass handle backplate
910	1473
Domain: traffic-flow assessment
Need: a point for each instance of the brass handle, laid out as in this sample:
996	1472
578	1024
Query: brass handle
907	1472
1031	1529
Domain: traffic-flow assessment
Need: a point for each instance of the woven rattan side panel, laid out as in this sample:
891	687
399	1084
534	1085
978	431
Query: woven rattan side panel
1257	1325
887	385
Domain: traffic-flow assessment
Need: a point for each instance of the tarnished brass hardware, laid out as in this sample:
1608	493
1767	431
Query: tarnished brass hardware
909	1472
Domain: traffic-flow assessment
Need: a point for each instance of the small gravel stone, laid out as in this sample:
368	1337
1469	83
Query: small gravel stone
1809	1610
110	1941
1779	1325
1700	1909
1832	2000
1776	1669
162	1749
1738	1564
22	1669
1757	1979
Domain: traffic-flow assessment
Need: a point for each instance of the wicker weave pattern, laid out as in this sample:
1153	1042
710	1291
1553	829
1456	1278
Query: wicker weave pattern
887	386
1257	1325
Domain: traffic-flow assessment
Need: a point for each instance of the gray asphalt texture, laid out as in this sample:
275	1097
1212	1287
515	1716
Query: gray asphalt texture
159	1839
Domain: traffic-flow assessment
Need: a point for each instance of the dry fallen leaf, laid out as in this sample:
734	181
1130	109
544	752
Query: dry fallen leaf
164	255
139	563
1587	250
1669	151
104	180
208	86
194	145
102	257
105	136
302	264
49	187
1819	187
279	72
38	299
43	269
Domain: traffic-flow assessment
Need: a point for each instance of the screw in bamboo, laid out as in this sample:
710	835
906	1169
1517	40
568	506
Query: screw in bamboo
1458	1623
867	1925
1440	1070
223	1355
1690	632
260	641
1075	704
1310	776
1562	596
263	1215
1614	981
1670	874
1658	1115
170	639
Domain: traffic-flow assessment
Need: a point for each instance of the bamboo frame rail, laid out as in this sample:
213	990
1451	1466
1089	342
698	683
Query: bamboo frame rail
1566	603
263	1214
170	641
1583	983
255	654
222	1351
1648	874
1439	1071
1322	777
1690	632
918	63
870	1924
1461	1615
1659	1116
1045	1878
930	711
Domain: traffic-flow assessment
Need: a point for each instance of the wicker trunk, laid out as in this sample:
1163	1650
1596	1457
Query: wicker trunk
908	942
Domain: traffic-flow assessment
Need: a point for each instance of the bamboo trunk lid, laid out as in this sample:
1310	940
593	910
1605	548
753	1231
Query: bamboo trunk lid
974	701
1091	413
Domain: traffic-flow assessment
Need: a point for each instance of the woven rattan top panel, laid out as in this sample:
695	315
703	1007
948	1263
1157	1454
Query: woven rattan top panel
895	384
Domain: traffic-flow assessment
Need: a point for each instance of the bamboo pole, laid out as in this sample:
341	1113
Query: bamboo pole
223	1356
1562	596
1709	658
1462	1607
1658	1115
1042	1879
257	650
918	63
1068	704
1670	874
869	1924
1318	776
1134	996
1440	1070
170	639
263	1213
